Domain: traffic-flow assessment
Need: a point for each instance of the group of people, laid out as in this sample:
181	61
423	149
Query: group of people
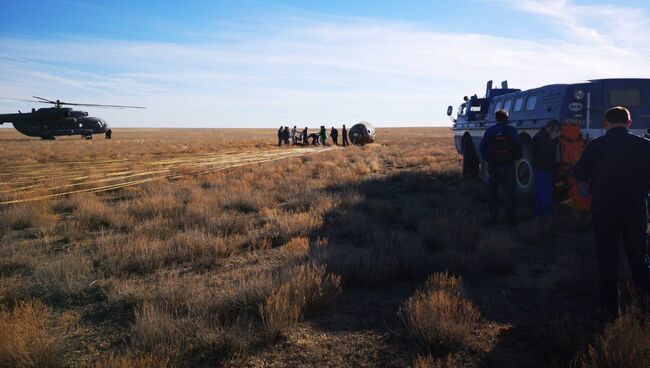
288	136
614	168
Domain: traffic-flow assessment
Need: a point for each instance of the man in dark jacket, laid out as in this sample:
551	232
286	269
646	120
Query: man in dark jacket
334	133
285	135
304	137
280	136
617	169
344	132
544	164
500	148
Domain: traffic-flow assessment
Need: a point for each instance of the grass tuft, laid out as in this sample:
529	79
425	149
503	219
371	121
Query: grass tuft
439	315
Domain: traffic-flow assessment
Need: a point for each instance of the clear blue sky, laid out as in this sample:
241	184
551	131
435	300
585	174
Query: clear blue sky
265	63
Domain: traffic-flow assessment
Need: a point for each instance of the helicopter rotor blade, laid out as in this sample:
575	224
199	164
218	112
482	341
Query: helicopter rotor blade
21	99
45	100
108	106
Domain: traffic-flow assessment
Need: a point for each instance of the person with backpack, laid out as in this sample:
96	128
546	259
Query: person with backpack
545	157
500	148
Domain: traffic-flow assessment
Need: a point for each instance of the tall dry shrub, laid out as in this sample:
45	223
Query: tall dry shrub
439	315
625	343
64	277
307	287
30	336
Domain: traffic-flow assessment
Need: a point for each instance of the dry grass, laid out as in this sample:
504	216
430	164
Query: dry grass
64	278
428	361
33	337
495	254
308	287
26	215
439	315
536	231
202	269
625	343
450	229
141	361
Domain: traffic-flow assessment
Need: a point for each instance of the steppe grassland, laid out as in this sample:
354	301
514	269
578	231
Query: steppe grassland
208	268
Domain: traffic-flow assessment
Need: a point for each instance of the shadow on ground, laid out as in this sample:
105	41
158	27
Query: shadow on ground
390	233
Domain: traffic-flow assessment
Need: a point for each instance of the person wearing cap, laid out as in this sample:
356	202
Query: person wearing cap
545	156
501	148
617	170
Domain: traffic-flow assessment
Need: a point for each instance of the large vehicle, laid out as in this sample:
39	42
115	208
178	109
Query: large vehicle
580	108
51	122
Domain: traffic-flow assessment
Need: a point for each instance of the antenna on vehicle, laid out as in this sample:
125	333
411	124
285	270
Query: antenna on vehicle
504	84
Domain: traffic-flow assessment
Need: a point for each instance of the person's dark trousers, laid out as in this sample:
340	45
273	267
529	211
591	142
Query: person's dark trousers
502	176
345	140
280	139
543	192
610	226
336	141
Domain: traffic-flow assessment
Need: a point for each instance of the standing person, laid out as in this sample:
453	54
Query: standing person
305	134
500	148
323	135
109	134
285	135
280	135
294	133
544	166
617	169
344	131
334	133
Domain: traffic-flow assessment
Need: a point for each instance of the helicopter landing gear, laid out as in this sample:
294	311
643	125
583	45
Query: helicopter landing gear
87	136
48	138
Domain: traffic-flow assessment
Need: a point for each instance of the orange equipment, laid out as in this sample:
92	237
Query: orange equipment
572	144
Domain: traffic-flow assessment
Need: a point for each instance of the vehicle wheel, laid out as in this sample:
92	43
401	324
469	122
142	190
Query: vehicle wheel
470	160
524	172
87	137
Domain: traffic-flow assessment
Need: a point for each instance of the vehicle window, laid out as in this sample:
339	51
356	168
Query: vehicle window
530	104
507	105
519	103
498	106
461	110
630	97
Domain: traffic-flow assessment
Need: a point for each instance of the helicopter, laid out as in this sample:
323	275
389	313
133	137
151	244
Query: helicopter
50	122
